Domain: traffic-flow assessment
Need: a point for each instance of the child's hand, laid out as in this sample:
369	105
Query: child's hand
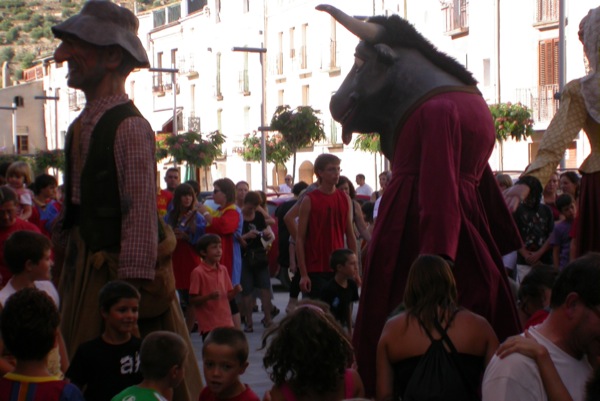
266	234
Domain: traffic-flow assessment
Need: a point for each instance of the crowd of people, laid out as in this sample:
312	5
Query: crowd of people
140	268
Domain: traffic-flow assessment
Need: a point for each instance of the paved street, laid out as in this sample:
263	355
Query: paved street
255	375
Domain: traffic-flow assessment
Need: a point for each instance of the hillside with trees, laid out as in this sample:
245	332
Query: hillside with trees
25	29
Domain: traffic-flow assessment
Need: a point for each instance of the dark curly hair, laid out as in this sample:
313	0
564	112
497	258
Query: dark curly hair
309	351
29	324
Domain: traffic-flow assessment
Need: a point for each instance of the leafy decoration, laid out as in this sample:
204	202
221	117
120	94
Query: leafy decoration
512	120
368	143
45	159
191	148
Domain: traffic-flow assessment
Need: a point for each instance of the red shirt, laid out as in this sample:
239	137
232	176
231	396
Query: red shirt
225	225
326	228
162	202
246	395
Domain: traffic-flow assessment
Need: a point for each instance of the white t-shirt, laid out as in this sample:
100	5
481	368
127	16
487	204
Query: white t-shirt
45	286
285	189
516	377
364	189
376	207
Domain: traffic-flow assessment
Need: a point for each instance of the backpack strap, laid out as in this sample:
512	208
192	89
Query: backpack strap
454	352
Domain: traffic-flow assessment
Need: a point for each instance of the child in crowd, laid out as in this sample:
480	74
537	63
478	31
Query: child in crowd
560	240
28	256
188	226
29	324
341	291
162	356
106	365
225	358
210	287
309	357
18	177
46	207
533	297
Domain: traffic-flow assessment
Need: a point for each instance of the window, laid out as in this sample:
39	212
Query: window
279	61
173	58
548	62
292	44
333	45
219	94
546	11
159	64
217	11
244	77
22	144
303	52
219	120
280	93
305	95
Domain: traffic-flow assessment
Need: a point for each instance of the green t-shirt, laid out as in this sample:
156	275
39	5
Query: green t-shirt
136	393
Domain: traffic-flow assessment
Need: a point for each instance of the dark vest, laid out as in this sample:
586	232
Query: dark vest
99	214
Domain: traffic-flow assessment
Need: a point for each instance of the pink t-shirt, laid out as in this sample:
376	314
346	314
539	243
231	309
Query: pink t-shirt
214	313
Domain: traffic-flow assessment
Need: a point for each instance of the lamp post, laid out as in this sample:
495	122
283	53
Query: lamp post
173	72
263	142
56	98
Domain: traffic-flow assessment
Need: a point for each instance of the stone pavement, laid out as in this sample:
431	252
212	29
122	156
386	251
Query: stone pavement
256	376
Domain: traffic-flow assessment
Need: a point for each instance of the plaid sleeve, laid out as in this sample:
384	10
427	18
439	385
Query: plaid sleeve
136	170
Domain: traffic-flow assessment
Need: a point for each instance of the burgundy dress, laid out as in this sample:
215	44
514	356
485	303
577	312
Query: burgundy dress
442	199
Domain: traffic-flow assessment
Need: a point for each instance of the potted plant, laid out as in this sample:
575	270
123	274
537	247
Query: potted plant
45	159
511	120
193	149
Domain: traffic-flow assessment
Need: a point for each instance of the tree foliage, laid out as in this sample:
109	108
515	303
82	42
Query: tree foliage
191	147
277	151
370	143
512	120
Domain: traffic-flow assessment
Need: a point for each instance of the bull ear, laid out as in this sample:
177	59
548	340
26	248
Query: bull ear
385	53
367	31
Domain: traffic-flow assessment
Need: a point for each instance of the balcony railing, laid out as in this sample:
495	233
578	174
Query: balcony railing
193	124
540	100
76	100
187	65
456	16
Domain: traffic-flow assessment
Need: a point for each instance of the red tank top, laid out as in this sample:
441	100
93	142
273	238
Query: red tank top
326	228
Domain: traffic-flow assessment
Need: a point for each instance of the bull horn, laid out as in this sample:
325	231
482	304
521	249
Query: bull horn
367	31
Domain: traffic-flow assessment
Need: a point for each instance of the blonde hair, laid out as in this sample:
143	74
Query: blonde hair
20	169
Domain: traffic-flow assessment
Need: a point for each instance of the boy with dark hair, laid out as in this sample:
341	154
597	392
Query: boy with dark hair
29	324
341	291
324	218
560	240
106	365
210	287
225	347
162	355
28	257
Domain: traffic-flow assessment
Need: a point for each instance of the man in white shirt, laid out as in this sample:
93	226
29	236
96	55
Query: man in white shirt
568	333
362	188
285	188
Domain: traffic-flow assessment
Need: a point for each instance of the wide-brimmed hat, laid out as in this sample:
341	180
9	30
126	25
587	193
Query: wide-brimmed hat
103	23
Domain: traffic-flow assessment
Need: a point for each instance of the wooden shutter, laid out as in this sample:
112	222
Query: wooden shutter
548	62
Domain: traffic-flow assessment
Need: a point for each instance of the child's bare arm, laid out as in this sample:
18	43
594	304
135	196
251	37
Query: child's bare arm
26	212
234	291
62	351
198	300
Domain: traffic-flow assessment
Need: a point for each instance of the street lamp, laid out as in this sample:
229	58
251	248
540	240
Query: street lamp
263	142
173	72
56	98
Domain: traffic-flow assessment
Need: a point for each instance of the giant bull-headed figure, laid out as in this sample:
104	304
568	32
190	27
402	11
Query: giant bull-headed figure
438	133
